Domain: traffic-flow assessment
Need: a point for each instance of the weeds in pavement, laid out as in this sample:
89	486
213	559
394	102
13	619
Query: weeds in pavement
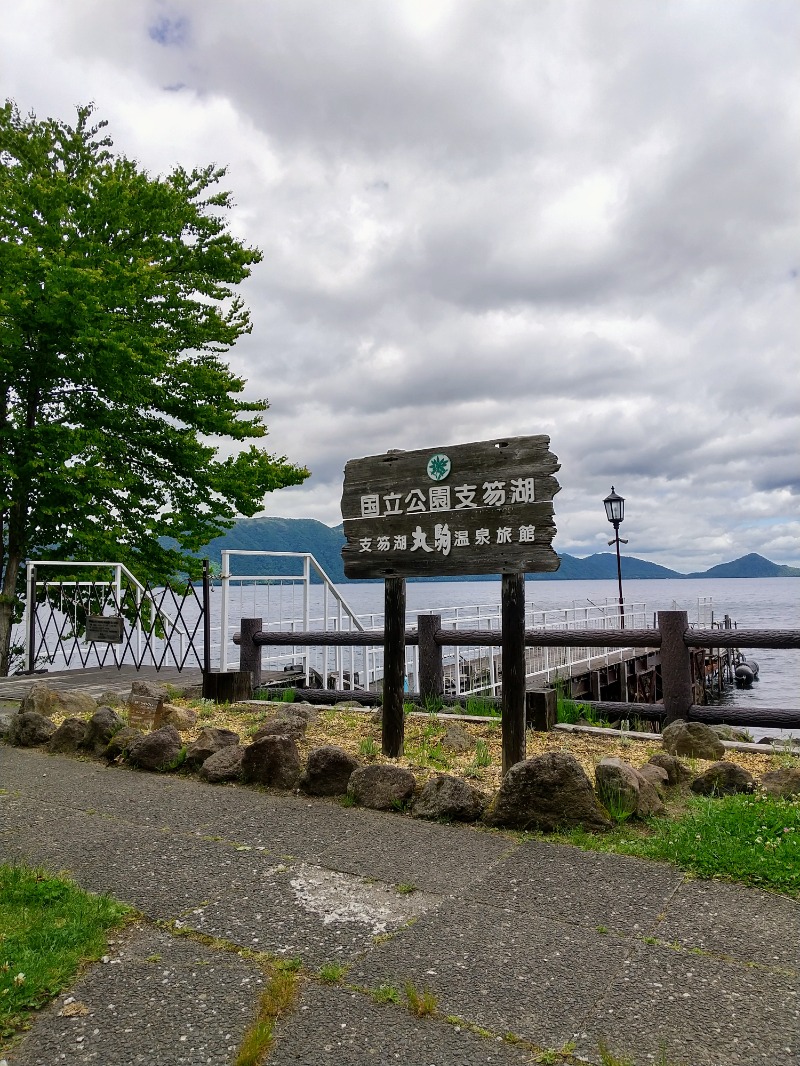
420	1003
277	999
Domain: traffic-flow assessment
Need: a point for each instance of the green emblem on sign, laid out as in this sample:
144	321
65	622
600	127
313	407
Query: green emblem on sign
438	467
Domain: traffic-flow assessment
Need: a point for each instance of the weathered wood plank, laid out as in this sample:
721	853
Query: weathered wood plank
742	638
487	508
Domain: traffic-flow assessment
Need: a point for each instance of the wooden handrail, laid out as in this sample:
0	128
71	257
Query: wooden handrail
540	638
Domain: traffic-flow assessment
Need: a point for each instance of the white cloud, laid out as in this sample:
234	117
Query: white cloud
491	219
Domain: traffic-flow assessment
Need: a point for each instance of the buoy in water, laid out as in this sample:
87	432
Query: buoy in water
743	675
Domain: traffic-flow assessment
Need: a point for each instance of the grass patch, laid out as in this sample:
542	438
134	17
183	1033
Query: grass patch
420	1003
752	839
277	999
48	928
386	994
483	756
332	972
479	707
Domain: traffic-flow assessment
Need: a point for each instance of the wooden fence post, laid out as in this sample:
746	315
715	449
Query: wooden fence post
394	666
431	677
676	666
513	661
249	651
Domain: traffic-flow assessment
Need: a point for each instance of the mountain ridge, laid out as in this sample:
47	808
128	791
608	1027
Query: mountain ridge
325	544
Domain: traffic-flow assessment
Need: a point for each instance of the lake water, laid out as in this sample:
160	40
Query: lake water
752	603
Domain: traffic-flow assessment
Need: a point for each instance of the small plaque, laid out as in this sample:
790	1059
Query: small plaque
105	628
142	711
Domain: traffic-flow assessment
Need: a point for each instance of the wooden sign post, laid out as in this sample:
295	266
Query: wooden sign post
482	508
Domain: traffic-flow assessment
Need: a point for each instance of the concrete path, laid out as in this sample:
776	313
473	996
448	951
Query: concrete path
559	947
97	679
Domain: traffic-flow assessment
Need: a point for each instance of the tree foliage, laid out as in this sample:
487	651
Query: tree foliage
117	303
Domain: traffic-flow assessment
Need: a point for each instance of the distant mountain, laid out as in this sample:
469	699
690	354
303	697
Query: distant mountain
751	565
325	544
280	535
603	567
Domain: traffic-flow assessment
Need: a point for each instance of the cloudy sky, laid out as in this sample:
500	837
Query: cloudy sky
486	218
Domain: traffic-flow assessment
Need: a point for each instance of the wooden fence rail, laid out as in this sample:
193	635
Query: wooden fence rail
673	638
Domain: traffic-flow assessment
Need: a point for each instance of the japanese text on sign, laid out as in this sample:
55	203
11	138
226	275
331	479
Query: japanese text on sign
472	508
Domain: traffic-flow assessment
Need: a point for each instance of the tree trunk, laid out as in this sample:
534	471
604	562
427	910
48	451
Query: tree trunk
8	599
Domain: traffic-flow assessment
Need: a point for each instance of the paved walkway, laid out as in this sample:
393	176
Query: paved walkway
97	679
558	946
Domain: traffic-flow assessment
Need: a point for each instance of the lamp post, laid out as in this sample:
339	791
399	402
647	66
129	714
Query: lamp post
615	512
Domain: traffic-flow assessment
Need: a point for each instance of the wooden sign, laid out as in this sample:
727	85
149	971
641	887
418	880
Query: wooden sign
484	508
105	628
142	711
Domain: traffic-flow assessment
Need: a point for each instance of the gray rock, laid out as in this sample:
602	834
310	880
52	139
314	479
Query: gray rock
327	771
68	737
784	783
208	743
29	729
183	718
117	747
192	692
693	739
49	701
677	772
283	726
457	739
723	779
732	732
656	775
625	791
547	792
223	765
158	750
110	699
273	761
617	786
305	711
382	786
6	718
449	798
154	689
101	727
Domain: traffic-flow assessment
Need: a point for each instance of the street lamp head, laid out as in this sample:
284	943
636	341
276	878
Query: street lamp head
615	507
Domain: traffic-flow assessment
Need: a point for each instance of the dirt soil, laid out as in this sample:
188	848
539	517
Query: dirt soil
359	733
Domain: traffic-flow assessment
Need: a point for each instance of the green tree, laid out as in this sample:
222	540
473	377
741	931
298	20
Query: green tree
117	303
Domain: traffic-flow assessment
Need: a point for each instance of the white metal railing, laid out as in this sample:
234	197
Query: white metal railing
472	671
269	594
66	612
285	603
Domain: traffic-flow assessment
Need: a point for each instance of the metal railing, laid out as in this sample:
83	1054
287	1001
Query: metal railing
56	611
337	615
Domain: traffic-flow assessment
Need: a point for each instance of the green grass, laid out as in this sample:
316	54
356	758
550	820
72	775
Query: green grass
420	1003
332	972
386	994
278	999
483	756
482	708
752	839
48	928
276	695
